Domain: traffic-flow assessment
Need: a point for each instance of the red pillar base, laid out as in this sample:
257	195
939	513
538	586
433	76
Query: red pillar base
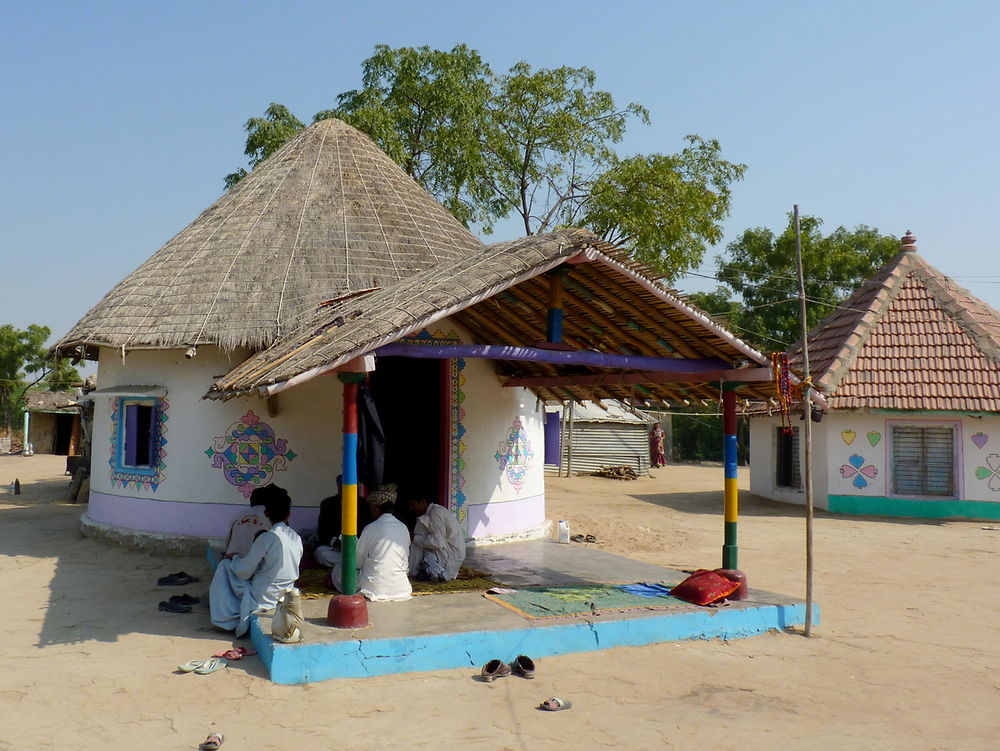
347	611
735	575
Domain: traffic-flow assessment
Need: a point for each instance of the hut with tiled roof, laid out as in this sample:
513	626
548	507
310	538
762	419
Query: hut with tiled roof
910	368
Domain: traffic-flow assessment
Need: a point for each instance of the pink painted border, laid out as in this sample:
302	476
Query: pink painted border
504	518
959	455
178	517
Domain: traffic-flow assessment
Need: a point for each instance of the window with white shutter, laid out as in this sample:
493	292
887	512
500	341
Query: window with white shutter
923	460
786	467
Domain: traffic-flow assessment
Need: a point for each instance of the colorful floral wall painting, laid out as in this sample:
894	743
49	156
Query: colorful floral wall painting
456	416
249	453
514	455
980	440
857	471
873	437
848	436
147	478
991	472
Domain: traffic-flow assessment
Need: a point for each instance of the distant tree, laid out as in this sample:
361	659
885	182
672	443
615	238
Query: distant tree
535	144
265	135
760	268
22	353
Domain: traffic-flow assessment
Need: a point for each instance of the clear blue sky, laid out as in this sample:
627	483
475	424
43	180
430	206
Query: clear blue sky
120	119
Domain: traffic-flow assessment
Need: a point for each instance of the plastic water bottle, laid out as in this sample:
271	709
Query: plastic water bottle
564	531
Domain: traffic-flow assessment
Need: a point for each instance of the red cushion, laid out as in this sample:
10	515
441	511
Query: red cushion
704	587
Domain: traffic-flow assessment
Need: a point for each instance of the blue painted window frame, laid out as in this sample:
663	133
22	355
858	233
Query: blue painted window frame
128	445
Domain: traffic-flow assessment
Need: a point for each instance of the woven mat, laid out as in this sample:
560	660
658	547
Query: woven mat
538	603
311	583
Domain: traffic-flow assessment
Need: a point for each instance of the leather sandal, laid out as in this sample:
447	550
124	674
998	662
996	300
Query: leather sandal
495	669
523	666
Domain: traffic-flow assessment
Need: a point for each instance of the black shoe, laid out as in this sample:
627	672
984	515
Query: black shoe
176	580
175	607
185	599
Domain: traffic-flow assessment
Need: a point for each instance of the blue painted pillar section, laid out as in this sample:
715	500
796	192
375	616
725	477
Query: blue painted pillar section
555	321
552	438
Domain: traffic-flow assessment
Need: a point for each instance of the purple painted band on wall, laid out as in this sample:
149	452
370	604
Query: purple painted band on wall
178	517
495	519
558	357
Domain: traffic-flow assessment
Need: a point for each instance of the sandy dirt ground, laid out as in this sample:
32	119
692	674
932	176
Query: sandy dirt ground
905	656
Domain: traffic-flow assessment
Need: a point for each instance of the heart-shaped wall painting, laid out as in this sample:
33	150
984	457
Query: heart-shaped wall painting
874	437
980	439
848	436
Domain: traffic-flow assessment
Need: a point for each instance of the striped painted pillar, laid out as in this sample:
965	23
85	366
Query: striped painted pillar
729	460
349	488
555	319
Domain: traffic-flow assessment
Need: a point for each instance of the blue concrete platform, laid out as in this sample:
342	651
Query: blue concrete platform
438	632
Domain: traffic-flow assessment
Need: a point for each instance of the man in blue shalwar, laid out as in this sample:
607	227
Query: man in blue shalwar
243	585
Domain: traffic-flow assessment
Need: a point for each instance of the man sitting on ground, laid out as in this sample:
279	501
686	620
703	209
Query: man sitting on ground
438	547
327	552
243	585
249	524
382	553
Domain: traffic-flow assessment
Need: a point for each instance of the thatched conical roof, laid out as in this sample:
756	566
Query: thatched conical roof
327	215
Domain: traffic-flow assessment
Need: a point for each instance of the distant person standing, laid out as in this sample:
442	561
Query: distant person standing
657	439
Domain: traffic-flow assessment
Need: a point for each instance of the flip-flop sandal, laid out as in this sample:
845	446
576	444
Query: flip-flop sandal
578	538
212	743
210	666
185	599
235	653
495	669
176	580
591	538
174	607
190	666
523	666
555	704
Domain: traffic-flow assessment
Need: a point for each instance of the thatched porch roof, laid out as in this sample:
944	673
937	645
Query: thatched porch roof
499	294
327	215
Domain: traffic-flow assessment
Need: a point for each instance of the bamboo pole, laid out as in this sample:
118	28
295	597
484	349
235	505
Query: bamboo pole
806	425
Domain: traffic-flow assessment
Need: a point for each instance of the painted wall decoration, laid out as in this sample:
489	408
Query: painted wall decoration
991	472
249	453
146	477
848	436
980	439
456	416
857	471
873	437
514	455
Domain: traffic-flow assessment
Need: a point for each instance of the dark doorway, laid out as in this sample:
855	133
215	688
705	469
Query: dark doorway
409	395
64	434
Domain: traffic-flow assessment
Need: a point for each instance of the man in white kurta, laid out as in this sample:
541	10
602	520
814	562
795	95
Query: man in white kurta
245	527
438	548
243	585
382	553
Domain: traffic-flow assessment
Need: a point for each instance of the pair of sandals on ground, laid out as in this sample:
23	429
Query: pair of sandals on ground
523	666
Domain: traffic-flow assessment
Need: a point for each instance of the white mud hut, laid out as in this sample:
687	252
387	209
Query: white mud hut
327	264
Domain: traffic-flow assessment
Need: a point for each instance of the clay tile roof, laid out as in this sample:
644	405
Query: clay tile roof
909	339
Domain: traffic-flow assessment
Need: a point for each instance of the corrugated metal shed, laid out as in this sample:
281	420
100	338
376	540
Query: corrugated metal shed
612	436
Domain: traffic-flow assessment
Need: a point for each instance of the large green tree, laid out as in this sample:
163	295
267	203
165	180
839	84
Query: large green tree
759	267
22	355
535	144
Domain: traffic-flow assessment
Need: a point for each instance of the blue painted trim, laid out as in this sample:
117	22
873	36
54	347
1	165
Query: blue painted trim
360	658
859	505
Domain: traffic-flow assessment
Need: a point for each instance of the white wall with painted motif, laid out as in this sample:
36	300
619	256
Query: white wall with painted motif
853	458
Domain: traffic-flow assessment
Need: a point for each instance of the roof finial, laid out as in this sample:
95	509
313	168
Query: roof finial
908	242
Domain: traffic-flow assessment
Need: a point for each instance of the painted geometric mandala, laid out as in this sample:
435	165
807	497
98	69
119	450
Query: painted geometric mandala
514	455
249	454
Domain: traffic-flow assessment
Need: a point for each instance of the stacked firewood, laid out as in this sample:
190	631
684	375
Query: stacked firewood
617	473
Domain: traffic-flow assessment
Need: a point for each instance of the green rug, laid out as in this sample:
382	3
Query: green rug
313	585
572	601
